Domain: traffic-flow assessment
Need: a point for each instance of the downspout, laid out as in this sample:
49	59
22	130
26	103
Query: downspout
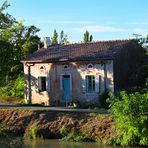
105	76
29	83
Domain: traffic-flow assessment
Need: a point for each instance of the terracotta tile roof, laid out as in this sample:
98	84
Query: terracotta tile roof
79	51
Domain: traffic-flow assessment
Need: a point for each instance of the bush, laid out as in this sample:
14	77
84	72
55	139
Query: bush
14	88
32	133
131	116
72	135
18	87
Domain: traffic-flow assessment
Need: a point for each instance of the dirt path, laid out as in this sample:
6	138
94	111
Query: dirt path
59	109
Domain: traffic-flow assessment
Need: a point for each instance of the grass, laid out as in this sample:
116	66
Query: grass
10	100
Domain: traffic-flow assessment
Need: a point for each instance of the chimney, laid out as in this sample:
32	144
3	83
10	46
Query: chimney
47	42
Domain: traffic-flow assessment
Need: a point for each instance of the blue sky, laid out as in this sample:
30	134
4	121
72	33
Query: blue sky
104	19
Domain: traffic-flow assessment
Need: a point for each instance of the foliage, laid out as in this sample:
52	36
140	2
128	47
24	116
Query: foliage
74	136
16	42
140	75
63	38
131	115
32	133
91	38
71	135
54	39
6	20
15	88
87	38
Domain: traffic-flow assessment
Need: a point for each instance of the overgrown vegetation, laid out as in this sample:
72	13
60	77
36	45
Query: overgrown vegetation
16	42
72	135
131	115
32	133
7	138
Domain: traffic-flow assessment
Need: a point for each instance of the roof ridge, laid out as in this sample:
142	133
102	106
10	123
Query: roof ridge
97	41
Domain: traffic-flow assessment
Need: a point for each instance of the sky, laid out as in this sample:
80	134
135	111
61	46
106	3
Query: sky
104	19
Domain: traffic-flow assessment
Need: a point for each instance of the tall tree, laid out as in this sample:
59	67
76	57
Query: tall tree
16	42
87	38
91	38
63	38
54	39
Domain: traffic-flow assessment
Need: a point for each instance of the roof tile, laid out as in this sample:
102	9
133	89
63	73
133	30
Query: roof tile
79	51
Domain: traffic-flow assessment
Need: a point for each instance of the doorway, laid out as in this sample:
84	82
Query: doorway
66	85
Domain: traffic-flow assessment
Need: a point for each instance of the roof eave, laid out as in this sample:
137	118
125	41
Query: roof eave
68	60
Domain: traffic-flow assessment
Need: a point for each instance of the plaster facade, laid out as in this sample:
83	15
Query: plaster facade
77	72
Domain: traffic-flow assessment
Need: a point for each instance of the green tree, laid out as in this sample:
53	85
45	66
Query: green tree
63	38
91	38
131	115
6	20
87	38
54	39
16	42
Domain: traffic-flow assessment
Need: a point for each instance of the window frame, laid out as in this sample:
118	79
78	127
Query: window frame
42	87
90	83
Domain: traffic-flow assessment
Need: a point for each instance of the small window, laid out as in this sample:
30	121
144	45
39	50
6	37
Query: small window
90	83
42	68
89	66
42	83
65	66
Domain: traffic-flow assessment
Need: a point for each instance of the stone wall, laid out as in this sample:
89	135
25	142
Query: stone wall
102	70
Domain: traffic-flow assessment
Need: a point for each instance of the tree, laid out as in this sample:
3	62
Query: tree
91	38
54	39
87	38
130	114
6	20
63	38
16	42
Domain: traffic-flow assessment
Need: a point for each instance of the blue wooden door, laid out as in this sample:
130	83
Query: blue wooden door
66	88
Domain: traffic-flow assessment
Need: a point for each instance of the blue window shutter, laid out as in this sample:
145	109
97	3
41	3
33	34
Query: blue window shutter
39	84
83	84
61	82
97	83
48	84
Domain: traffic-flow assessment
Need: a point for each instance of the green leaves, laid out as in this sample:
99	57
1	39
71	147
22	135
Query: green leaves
131	117
54	40
87	38
16	42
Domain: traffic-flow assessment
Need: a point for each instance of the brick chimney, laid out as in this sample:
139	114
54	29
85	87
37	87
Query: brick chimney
47	42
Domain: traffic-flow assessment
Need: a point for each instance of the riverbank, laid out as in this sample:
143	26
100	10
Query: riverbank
51	124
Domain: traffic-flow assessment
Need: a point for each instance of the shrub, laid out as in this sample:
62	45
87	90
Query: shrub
72	135
14	88
131	116
32	133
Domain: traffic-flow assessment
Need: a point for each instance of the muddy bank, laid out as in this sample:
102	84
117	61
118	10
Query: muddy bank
17	122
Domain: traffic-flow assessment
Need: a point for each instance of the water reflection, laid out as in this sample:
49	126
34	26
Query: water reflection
60	144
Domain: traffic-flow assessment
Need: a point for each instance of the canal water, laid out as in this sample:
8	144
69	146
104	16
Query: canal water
20	143
61	144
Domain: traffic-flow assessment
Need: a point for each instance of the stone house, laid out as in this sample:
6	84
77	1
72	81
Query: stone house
79	72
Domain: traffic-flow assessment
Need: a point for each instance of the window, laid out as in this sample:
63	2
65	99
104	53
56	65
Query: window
90	66
42	83
65	67
42	68
90	83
